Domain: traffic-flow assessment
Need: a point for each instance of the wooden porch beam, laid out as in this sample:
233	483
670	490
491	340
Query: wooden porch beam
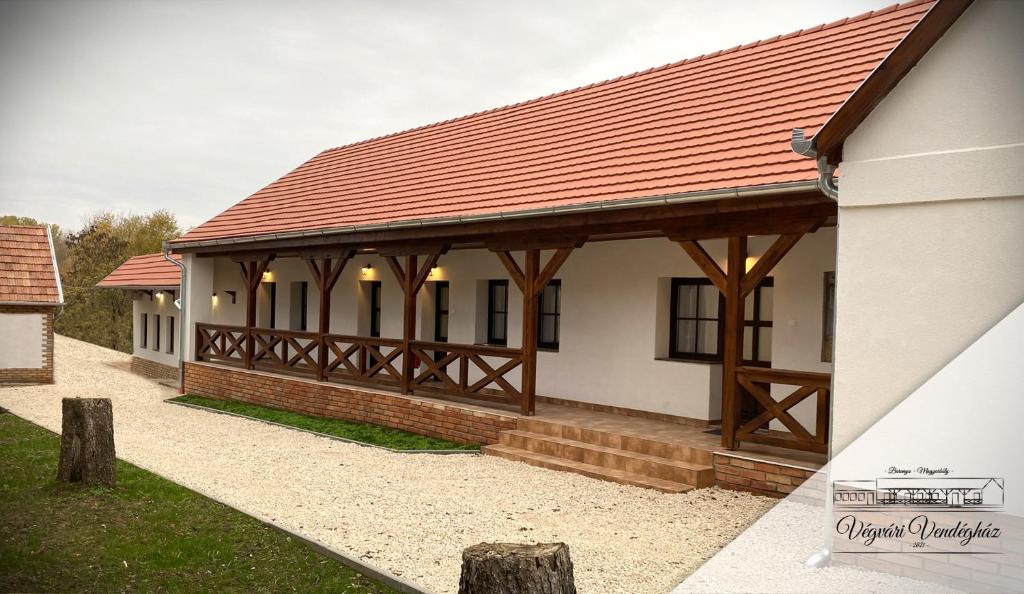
772	256
556	261
534	241
397	269
325	274
706	263
513	269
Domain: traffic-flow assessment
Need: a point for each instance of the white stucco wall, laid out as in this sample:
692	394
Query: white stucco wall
931	218
611	338
162	304
23	348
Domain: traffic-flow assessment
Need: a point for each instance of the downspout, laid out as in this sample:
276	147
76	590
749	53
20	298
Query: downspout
182	321
827	184
826	171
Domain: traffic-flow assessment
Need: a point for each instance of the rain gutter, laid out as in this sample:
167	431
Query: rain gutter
667	200
182	304
802	145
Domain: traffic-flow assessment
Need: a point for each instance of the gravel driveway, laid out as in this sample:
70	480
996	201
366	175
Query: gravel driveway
410	514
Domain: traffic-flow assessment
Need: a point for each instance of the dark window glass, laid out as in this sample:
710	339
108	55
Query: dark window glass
694	332
170	334
143	330
549	315
272	288
497	312
375	308
757	324
828	317
697	325
156	324
441	311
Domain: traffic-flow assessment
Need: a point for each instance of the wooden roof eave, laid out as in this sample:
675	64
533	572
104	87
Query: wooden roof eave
828	140
753	211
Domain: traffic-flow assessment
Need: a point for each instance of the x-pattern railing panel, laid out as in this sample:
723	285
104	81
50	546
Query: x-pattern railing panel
437	375
363	359
285	350
755	380
220	343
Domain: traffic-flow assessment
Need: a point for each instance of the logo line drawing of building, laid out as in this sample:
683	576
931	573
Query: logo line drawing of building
938	492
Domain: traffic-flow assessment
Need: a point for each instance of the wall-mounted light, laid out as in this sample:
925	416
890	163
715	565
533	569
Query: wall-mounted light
435	271
267	276
160	295
751	261
214	297
366	270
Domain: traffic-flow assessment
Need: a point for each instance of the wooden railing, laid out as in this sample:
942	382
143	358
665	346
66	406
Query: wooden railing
221	344
477	367
285	351
757	380
363	359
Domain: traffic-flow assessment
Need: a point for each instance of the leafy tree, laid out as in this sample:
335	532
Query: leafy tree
102	316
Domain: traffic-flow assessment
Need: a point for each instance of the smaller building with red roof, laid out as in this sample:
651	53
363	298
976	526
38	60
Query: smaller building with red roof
153	284
30	291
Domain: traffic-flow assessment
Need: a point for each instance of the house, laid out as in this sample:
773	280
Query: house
598	280
153	283
30	292
930	210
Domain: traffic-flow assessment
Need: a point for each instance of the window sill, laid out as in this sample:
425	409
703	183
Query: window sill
686	360
541	349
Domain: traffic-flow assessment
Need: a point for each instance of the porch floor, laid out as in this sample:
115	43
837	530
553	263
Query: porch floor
653	429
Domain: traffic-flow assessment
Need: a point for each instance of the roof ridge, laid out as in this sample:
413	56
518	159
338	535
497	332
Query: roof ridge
797	33
40	226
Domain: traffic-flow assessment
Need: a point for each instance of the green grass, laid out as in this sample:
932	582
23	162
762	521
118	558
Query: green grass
146	534
362	432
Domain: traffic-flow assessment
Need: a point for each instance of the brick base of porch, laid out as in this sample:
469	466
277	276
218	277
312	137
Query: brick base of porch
408	413
760	477
152	369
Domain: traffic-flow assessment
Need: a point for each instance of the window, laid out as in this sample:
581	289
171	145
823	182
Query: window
299	305
828	317
170	334
143	330
696	323
375	309
497	312
549	314
156	327
695	306
757	324
272	289
441	311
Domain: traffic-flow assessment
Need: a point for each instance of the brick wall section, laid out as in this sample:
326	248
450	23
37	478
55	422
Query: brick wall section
43	375
143	366
408	413
758	476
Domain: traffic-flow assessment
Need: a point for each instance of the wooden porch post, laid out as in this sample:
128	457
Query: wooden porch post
408	322
325	273
252	274
532	283
527	405
732	354
411	279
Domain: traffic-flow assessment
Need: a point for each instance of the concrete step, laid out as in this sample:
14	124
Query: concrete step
610	439
635	463
608	474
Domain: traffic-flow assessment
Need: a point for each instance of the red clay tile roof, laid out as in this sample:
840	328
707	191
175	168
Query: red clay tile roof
149	270
27	270
719	121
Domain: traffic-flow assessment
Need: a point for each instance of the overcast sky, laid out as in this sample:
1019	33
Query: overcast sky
191	107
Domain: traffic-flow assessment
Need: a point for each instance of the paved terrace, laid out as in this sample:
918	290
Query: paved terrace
410	514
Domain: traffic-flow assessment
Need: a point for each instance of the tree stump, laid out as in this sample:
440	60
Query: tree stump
87	442
499	568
